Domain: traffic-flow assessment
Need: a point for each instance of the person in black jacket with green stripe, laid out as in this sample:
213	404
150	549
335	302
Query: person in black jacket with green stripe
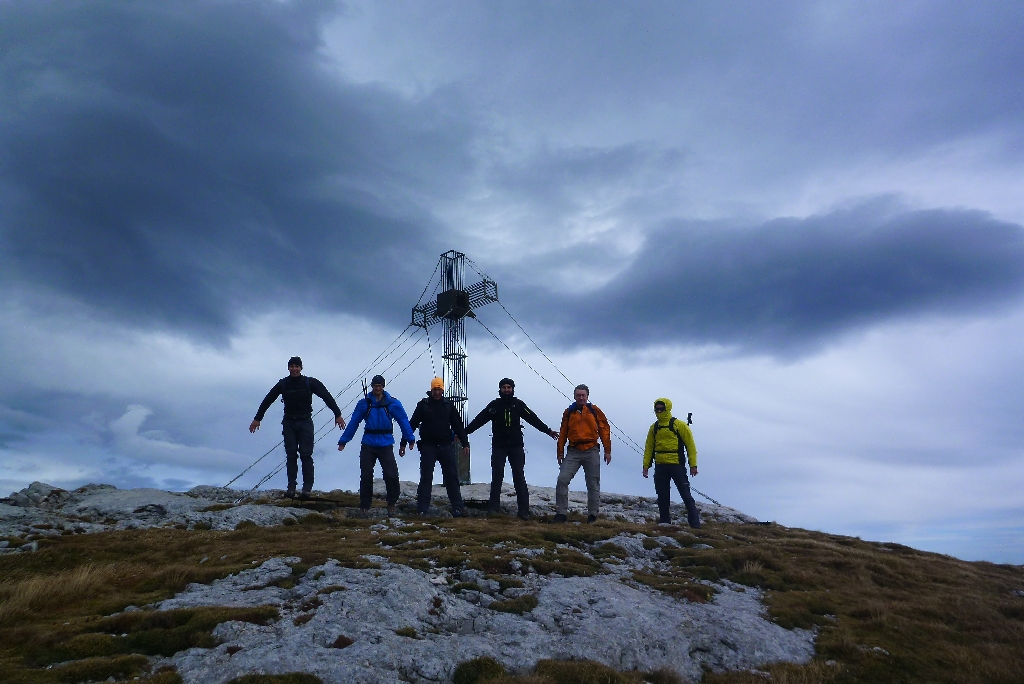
504	414
296	392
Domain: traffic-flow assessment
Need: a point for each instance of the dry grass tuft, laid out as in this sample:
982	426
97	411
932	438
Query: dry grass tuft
518	605
290	678
477	670
342	642
815	672
584	672
42	593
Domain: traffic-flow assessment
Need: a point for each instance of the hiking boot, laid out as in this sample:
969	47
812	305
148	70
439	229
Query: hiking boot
559	518
523	515
591	518
304	494
391	511
458	514
290	492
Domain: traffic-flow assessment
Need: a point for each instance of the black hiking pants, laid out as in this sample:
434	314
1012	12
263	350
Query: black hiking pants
664	475
298	443
516	456
445	455
368	457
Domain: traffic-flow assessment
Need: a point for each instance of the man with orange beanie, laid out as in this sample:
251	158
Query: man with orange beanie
439	422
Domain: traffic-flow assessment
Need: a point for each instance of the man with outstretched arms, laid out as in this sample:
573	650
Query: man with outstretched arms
296	392
438	421
378	409
583	424
504	414
667	439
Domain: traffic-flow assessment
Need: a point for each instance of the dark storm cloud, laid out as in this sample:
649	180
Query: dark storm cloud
177	163
790	283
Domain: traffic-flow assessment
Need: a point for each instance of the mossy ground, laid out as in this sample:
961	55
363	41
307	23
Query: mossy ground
885	613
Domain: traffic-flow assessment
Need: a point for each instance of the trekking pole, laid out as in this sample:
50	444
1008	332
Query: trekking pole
689	421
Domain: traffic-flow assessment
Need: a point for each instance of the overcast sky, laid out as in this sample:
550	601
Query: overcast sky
800	221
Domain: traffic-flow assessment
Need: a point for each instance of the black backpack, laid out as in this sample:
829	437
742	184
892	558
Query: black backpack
680	448
370	407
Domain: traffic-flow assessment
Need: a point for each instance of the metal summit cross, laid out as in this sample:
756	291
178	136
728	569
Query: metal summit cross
454	302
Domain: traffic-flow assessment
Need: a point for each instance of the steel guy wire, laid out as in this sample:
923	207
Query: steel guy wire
622	435
282	464
433	369
436	266
626	439
336	396
535	343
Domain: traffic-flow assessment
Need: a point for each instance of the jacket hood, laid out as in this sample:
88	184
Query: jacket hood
665	416
373	400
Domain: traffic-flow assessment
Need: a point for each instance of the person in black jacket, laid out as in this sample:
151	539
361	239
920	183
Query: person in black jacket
507	442
296	392
438	421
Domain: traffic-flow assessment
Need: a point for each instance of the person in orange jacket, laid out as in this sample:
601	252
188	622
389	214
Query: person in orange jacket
583	425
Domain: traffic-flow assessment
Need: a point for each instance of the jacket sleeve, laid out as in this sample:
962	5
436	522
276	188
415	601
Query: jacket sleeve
563	432
604	430
532	418
358	413
457	426
399	414
273	394
417	416
649	447
684	432
319	389
480	420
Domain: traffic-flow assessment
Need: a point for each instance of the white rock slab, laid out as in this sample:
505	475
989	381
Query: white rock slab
599	618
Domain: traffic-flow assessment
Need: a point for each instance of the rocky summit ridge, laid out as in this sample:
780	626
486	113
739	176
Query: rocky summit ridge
386	622
41	510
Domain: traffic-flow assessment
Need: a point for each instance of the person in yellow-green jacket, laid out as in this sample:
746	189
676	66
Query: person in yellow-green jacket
666	441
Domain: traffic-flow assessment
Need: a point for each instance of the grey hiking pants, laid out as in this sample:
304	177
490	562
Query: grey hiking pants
590	459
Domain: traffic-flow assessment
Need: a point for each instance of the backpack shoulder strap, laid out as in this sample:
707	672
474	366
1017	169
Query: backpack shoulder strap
679	437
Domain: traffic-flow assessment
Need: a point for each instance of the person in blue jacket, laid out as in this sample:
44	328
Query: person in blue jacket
378	409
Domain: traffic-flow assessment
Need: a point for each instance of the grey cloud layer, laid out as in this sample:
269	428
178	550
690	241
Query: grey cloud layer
797	81
790	283
176	162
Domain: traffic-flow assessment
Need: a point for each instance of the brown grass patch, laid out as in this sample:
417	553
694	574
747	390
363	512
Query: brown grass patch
816	672
518	605
42	593
290	678
939	619
342	642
